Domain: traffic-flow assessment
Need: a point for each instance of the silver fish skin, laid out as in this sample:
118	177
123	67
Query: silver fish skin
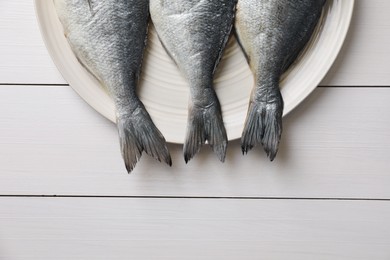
108	37
194	33
271	33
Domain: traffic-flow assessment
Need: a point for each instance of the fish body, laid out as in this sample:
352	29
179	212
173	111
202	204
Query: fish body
271	33
194	33
108	38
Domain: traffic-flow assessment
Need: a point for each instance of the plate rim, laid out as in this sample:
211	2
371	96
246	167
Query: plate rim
102	104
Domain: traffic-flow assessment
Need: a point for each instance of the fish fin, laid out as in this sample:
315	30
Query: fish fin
306	38
91	7
263	125
90	4
137	133
223	46
247	58
205	124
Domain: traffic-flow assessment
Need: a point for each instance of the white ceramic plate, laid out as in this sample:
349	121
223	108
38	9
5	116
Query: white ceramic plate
164	91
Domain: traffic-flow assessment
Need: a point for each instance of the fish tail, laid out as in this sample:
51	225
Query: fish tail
263	125
137	133
205	124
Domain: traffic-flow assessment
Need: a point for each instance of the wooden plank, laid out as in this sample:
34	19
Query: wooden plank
24	58
90	228
364	60
336	144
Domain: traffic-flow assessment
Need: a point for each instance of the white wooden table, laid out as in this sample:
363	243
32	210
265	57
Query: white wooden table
64	193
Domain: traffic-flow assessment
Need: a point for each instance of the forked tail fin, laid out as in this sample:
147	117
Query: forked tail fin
263	125
205	124
137	133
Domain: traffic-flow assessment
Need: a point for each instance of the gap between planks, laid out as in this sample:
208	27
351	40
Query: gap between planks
67	85
193	197
32	85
